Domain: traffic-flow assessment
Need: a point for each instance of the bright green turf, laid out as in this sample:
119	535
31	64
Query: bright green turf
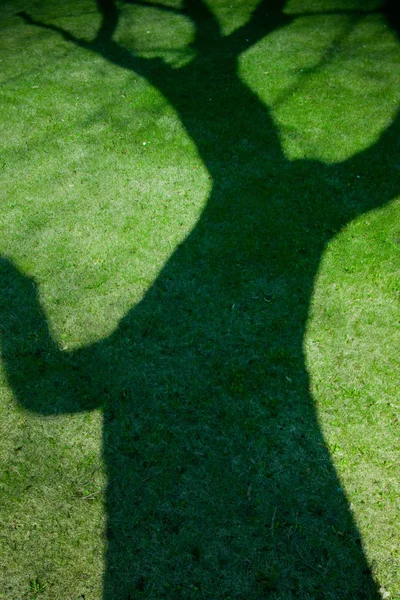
192	232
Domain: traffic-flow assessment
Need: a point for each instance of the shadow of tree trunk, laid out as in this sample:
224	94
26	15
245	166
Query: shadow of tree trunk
220	482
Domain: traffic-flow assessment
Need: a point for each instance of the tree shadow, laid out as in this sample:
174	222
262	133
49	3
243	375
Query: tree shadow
220	482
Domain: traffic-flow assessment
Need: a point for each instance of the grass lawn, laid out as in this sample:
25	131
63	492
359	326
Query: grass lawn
199	300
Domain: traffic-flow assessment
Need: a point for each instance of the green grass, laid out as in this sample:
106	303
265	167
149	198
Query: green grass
199	301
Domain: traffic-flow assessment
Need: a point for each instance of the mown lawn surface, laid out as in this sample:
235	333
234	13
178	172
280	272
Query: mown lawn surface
199	300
